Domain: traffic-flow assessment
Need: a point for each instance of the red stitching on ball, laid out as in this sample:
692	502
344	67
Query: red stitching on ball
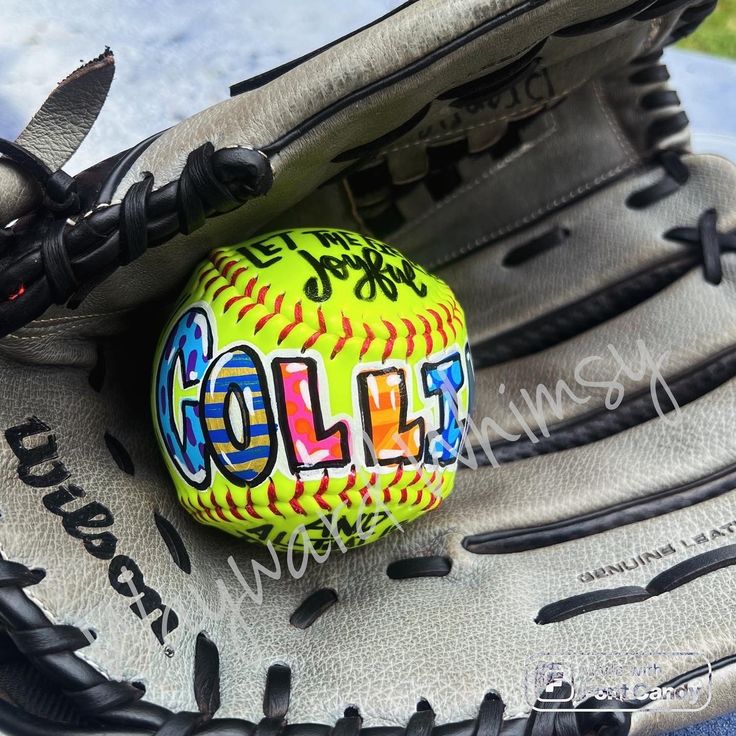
272	498
392	335
297	507
245	310
427	334
365	491
202	276
217	257
297	320
321	330
216	513
456	309
325	482
262	293
347	334
348	331
322	503
450	320
250	286
411	333
233	300
370	337
231	505
232	262
323	486
237	274
263	321
440	326
351	479
365	494
208	285
219	290
205	509
249	507
198	515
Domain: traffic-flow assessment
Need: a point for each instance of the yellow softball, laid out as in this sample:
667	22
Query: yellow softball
312	389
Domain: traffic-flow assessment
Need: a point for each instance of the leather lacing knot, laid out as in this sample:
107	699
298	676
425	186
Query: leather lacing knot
56	264
711	243
49	259
209	184
201	187
58	189
133	229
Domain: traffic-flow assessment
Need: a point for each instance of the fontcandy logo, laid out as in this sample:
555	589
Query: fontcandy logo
617	681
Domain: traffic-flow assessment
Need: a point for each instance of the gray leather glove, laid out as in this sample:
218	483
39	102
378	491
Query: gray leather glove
568	222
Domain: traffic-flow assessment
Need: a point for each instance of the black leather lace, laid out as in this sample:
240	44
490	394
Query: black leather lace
651	71
58	189
675	172
71	256
711	243
120	704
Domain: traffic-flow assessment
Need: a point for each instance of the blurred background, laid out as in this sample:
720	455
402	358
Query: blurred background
176	58
703	69
718	34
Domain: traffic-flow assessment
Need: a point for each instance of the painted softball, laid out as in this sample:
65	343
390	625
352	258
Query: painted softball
312	389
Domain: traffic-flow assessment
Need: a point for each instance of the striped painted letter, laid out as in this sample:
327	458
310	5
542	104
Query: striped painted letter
237	417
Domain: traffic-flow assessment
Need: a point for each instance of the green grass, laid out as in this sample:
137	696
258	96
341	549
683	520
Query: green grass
717	35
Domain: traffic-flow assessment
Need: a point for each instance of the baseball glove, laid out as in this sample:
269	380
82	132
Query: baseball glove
569	218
